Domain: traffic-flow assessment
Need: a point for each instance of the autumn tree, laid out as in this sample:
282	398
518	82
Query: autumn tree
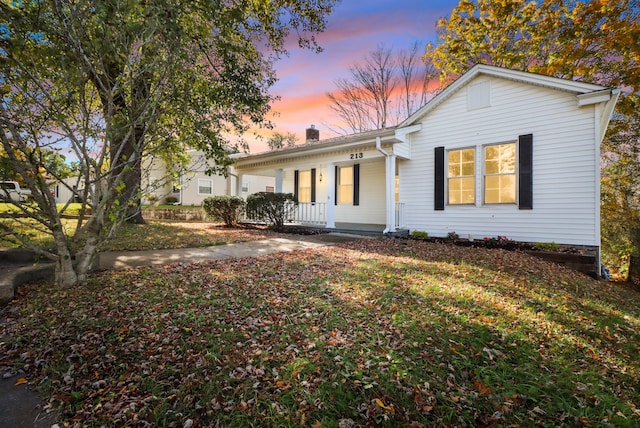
115	83
594	41
386	87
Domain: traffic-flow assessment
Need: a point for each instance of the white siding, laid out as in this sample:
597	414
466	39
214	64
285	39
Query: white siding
372	191
156	182
565	167
255	184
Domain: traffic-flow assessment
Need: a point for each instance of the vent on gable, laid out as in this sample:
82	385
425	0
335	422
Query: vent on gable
478	95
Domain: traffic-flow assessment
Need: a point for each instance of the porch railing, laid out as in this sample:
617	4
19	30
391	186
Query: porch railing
311	213
400	220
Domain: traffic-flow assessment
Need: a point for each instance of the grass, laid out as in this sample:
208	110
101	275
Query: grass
153	235
166	234
73	208
372	333
31	228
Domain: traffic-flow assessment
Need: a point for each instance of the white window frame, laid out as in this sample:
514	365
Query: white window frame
304	186
513	173
345	191
473	177
201	181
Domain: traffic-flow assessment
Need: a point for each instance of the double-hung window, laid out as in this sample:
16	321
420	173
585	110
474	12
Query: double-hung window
500	174
461	177
345	185
304	186
205	186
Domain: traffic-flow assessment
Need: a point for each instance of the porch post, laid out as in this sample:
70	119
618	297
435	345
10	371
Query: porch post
239	179
390	194
331	205
279	180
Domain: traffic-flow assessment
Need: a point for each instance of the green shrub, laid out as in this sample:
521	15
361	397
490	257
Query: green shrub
546	246
419	234
224	208
274	208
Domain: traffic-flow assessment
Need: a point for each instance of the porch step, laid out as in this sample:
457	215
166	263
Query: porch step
398	232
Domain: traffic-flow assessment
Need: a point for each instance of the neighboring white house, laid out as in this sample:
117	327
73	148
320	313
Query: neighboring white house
193	185
190	187
497	153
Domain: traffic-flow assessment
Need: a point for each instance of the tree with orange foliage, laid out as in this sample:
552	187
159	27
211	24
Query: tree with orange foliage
593	41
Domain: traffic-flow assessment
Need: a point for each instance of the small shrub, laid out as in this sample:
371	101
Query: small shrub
453	236
171	200
546	246
224	208
419	234
153	199
274	208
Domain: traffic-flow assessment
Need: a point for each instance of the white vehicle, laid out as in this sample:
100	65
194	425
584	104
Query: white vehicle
11	191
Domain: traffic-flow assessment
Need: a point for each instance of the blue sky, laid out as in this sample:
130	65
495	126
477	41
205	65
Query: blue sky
354	29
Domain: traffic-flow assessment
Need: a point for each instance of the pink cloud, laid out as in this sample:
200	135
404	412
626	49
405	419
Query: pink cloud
353	30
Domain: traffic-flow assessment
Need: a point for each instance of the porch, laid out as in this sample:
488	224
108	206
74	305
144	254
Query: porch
349	182
314	214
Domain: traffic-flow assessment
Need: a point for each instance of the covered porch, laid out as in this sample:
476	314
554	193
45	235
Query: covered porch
315	214
347	183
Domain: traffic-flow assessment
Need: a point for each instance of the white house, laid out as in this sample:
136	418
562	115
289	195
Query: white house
497	153
193	185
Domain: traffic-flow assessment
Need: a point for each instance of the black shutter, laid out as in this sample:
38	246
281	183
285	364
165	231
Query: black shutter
438	203
525	170
335	182
313	184
296	183
356	184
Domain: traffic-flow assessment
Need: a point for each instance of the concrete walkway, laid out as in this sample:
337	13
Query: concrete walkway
124	259
21	407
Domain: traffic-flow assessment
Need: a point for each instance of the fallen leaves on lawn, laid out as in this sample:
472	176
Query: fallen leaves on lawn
374	332
21	381
156	235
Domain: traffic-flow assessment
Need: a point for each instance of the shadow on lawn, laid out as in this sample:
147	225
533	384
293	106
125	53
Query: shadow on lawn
544	287
370	333
516	338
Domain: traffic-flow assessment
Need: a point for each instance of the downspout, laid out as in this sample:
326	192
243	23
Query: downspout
386	195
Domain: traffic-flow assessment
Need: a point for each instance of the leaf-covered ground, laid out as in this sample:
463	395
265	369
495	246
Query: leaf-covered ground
372	333
156	235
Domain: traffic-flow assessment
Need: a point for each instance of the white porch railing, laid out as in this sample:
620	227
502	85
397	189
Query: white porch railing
311	213
400	220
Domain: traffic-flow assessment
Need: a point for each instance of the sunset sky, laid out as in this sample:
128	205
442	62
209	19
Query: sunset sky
353	30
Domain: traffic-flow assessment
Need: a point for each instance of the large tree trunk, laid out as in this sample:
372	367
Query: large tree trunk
133	181
65	273
127	148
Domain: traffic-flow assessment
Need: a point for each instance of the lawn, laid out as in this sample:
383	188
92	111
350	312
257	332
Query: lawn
371	333
151	236
157	235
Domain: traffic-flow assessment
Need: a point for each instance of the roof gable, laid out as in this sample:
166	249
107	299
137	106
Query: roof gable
578	88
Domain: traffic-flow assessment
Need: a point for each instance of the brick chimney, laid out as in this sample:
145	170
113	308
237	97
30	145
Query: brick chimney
312	134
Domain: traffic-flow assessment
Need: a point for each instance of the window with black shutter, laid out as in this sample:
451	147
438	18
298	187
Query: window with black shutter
439	179
525	172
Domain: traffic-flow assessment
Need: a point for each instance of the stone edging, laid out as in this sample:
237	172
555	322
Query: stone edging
19	266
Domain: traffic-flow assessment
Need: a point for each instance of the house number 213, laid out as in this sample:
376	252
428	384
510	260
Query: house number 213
356	155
